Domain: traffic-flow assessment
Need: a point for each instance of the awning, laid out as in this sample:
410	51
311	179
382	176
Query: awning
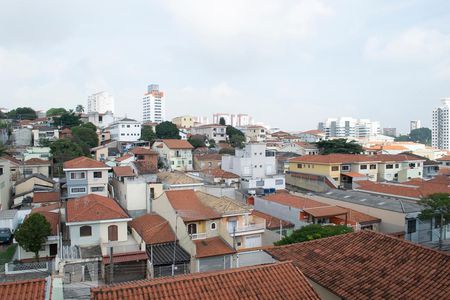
354	175
126	257
326	211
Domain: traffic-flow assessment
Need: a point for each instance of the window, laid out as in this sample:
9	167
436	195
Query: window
192	228
78	190
85	231
389	166
299	166
97	189
335	168
77	175
113	234
97	174
1	171
396	166
411	225
345	168
373	167
363	167
260	183
213	226
279	182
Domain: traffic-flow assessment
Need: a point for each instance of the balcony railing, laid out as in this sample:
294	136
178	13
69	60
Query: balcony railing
248	228
198	236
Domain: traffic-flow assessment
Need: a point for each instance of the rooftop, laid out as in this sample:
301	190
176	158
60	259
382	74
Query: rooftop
280	281
153	229
272	222
219	173
83	162
177	144
143	151
177	178
285	198
189	207
214	246
144	167
33	289
370	265
36	161
338	158
209	156
45	196
125	171
94	207
223	205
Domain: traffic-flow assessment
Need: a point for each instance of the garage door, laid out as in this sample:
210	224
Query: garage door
253	241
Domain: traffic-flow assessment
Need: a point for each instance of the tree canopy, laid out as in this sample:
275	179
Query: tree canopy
313	232
197	140
235	136
222	121
86	136
68	119
230	151
419	135
22	113
339	146
79	108
436	206
33	233
147	134
63	150
55	111
167	130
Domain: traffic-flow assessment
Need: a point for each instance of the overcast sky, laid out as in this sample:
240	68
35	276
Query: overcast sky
288	63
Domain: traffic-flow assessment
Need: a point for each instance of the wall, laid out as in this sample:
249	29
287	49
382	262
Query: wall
30	183
99	233
317	169
280	211
5	184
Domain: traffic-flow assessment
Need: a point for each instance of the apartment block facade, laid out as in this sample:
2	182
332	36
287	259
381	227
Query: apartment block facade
153	105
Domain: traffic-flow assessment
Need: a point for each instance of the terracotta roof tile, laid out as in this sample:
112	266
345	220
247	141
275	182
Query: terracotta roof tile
444	158
177	144
126	257
415	190
48	208
176	177
153	229
83	162
281	281
189	206
326	211
53	219
93	207
214	246
36	161
145	167
41	197
334	158
143	151
124	157
314	132
219	173
286	198
125	171
370	265
209	156
271	221
33	289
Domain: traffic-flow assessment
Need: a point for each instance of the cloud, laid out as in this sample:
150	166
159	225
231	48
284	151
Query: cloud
413	45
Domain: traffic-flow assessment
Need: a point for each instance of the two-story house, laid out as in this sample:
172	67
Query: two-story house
257	168
125	130
197	227
399	167
214	132
85	176
44	133
254	133
175	154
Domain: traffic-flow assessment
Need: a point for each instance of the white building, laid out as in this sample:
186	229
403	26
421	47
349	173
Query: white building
233	119
5	183
153	105
101	120
415	124
100	102
125	130
350	127
257	168
216	132
441	126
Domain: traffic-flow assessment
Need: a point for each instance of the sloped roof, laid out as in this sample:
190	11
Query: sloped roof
36	161
280	281
177	144
125	171
411	190
94	207
46	196
52	218
214	246
83	162
271	221
176	177
153	229
223	205
33	289
370	265
36	175
145	167
124	157
219	173
288	199
208	156
143	151
335	158
189	207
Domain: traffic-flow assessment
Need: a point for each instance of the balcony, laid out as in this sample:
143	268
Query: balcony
130	245
198	236
248	229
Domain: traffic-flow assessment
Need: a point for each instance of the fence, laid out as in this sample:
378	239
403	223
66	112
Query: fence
32	267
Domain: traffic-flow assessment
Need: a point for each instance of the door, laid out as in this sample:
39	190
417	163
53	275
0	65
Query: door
53	249
253	241
192	228
113	233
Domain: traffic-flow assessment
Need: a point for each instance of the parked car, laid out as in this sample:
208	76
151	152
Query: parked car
5	235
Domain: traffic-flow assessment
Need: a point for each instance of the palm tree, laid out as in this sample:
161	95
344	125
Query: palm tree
79	108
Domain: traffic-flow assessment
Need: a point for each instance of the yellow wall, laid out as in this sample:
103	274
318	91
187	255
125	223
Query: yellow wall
317	169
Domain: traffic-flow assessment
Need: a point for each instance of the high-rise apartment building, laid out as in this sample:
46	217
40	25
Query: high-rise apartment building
100	102
153	105
415	124
349	127
441	126
390	131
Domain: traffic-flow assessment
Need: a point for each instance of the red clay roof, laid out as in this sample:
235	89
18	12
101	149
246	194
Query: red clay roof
189	207
153	229
326	211
214	246
143	151
126	257
33	289
370	265
313	132
208	156
271	221
444	158
288	199
36	161
42	197
397	157
47	208
359	217
334	158
93	207
83	162
354	174
124	157
415	190
280	281
12	159
219	173
125	171
177	144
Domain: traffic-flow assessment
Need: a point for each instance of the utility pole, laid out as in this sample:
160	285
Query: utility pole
111	264
441	225
175	244
281	229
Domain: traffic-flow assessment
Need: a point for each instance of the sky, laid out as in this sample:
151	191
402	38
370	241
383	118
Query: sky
288	63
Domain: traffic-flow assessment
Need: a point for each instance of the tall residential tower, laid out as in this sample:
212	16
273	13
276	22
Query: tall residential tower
441	126
153	106
100	102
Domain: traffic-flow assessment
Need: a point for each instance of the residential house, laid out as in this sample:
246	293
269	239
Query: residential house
44	133
197	227
219	176
300	148
25	188
84	176
125	130
312	136
44	198
100	120
161	244
367	256
175	154
184	121
214	132
279	227
36	152
261	282
282	159
179	181
36	166
254	133
257	168
204	161
145	154
36	289
5	183
400	167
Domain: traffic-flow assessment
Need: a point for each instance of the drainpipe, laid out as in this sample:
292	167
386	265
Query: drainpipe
148	198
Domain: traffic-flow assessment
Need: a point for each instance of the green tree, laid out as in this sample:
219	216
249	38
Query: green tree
22	113
3	115
230	151
197	140
212	143
44	142
63	150
403	138
421	135
339	146
79	109
313	232
436	206
33	233
222	121
55	111
167	130
235	137
85	135
89	125
68	119
147	134
3	150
